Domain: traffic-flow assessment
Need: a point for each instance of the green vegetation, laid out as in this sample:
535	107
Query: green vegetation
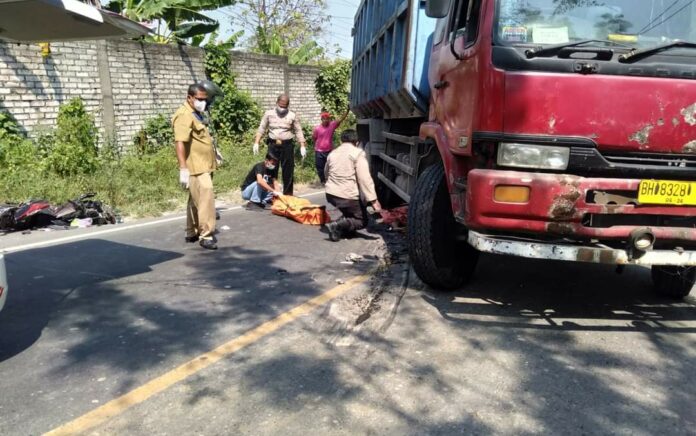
332	85
236	112
174	20
292	28
155	135
140	182
64	161
74	149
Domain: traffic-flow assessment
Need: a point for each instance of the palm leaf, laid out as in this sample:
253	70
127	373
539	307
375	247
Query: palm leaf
191	29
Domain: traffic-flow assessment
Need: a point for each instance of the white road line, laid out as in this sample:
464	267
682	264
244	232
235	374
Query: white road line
90	235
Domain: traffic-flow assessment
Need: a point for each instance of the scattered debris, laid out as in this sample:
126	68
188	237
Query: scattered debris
340	281
282	272
82	211
353	257
81	222
396	218
225	228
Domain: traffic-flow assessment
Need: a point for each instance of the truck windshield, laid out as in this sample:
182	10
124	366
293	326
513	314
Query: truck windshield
637	23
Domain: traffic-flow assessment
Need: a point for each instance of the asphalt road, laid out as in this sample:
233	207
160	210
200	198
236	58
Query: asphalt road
528	347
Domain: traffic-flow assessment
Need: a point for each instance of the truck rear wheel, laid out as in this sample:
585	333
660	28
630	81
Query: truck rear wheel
438	257
673	281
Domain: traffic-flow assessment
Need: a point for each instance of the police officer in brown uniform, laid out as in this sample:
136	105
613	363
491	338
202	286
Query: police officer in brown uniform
196	155
282	125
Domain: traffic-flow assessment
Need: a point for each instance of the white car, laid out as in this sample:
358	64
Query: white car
3	282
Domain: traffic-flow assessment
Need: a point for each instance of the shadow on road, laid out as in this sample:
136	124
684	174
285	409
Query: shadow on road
65	282
546	295
527	347
101	304
594	351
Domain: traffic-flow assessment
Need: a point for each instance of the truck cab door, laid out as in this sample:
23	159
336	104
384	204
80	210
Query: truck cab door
454	74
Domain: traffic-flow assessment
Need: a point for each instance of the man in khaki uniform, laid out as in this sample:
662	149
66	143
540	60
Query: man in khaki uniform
349	186
282	125
196	155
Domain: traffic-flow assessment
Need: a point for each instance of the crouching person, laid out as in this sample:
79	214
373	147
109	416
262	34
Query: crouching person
348	184
261	184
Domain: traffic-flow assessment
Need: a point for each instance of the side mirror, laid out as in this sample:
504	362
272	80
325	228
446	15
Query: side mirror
437	8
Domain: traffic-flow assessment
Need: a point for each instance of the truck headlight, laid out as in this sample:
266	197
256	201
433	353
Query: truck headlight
533	156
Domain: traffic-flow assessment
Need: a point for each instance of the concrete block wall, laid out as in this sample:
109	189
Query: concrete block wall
32	87
123	83
302	92
263	76
149	79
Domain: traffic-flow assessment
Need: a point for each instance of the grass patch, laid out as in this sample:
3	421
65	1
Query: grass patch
136	184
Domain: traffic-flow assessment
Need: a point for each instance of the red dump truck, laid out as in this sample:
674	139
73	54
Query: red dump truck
547	129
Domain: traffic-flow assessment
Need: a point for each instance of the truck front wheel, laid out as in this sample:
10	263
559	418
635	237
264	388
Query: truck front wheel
673	281
438	256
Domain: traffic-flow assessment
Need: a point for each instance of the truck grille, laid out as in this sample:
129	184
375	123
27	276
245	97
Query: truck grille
652	159
588	161
603	221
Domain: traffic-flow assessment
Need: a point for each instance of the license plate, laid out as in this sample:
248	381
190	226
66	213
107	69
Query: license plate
667	192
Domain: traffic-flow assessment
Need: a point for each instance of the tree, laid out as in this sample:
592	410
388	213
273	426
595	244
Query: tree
284	27
176	20
332	85
563	6
304	54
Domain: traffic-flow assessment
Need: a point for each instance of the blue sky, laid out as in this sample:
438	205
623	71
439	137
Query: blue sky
337	30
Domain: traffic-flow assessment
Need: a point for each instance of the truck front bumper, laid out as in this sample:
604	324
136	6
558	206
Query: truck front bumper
574	208
577	253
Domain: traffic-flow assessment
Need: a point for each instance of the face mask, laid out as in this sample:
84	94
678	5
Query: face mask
281	111
270	167
199	105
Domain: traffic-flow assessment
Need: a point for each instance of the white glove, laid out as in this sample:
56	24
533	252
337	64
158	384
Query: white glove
256	149
184	178
303	152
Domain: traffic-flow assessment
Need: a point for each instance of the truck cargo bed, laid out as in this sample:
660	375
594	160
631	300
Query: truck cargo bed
391	48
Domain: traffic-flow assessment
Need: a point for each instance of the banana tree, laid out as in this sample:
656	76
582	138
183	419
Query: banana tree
175	20
308	52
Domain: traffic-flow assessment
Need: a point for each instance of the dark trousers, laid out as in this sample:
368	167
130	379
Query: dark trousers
320	162
353	211
285	153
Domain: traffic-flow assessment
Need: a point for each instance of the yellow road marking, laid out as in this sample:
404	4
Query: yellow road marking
159	384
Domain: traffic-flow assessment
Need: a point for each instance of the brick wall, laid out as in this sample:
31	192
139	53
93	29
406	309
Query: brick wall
32	88
303	96
136	81
267	76
148	79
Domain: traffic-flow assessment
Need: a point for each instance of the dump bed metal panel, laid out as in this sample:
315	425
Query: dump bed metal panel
391	49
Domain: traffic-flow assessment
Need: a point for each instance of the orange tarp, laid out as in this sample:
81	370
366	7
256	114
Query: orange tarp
300	210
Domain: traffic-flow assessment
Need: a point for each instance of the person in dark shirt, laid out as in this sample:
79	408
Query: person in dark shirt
261	184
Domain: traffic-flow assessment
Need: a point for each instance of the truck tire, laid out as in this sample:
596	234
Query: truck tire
673	281
439	259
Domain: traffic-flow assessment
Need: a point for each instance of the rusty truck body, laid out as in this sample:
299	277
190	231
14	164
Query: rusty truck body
549	129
